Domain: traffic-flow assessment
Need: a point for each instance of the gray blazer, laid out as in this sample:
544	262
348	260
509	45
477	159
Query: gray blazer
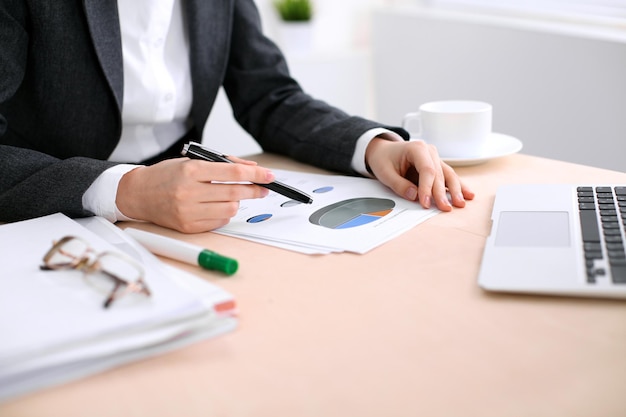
61	90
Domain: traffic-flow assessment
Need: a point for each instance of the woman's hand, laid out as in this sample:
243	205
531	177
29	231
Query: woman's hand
188	195
414	171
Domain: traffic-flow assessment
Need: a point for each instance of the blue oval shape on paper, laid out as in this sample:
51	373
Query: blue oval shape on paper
259	218
324	189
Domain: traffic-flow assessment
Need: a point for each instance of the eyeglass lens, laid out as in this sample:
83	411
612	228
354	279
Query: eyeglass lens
109	272
109	269
67	252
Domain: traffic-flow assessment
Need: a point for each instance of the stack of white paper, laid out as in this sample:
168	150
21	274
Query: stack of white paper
348	214
54	327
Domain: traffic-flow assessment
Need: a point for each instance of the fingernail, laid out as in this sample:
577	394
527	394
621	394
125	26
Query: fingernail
411	194
446	202
427	201
264	192
460	197
269	176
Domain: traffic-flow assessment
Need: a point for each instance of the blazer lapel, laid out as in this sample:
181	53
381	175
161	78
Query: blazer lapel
208	25
104	27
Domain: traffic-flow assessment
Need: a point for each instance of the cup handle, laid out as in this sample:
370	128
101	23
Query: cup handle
410	119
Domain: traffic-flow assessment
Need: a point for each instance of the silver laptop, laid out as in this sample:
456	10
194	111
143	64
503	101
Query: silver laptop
557	239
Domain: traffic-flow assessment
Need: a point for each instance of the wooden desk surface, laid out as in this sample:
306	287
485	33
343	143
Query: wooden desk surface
401	331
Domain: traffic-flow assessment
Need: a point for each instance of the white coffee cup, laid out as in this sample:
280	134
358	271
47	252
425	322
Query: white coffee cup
458	128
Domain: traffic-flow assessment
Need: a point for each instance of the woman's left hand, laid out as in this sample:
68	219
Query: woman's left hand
414	171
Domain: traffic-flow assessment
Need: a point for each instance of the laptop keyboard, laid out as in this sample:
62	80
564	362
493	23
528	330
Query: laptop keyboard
603	219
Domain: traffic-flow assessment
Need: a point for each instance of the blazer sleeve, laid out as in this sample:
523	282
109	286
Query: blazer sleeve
32	183
273	108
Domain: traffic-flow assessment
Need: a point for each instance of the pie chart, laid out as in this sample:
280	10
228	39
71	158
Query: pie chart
352	213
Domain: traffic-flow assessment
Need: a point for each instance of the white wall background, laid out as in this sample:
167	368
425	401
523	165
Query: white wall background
337	24
336	69
563	96
560	88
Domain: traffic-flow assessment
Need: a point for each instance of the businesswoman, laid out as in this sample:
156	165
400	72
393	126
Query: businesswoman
97	98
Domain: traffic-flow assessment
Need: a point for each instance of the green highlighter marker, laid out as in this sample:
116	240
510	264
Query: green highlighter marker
183	251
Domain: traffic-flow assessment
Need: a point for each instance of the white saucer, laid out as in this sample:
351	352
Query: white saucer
497	145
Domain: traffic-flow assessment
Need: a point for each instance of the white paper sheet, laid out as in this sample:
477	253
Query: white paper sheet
348	214
54	327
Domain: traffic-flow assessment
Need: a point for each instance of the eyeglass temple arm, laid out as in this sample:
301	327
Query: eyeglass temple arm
138	287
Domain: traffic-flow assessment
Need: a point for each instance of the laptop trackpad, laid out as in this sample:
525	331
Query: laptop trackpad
533	229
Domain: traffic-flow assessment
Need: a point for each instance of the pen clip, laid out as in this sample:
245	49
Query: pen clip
196	149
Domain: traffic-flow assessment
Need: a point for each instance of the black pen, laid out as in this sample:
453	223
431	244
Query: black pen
195	150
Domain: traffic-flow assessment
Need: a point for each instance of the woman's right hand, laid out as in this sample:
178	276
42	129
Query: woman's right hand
190	196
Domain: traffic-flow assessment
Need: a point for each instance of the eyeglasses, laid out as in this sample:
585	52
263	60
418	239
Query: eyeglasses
113	273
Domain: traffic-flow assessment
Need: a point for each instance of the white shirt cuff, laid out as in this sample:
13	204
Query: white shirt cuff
358	159
100	196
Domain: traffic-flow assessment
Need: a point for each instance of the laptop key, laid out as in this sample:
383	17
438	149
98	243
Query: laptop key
587	206
615	254
589	225
618	273
604	201
592	246
590	255
609	219
614	246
